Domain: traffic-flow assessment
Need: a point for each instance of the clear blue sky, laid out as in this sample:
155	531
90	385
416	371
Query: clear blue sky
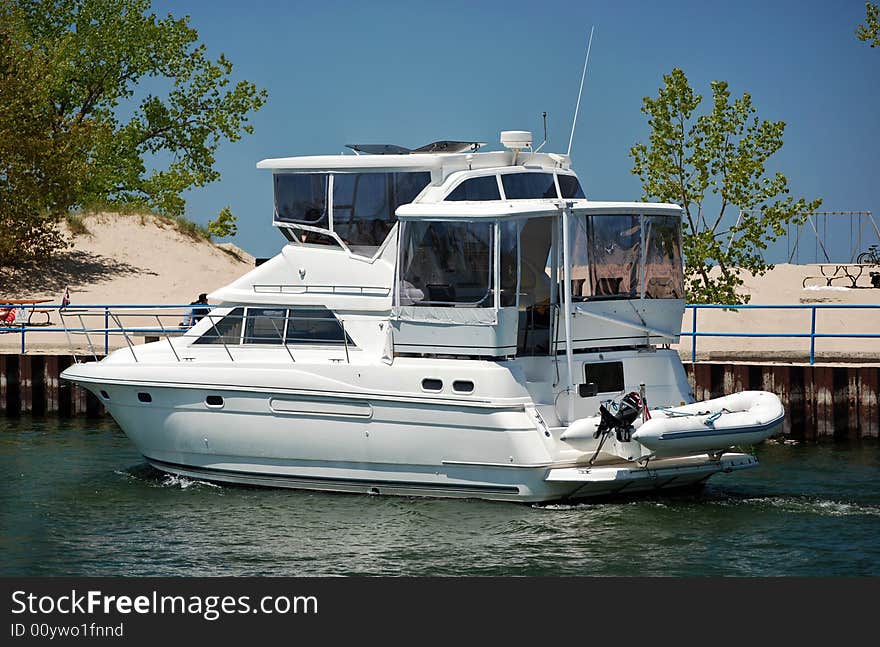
413	72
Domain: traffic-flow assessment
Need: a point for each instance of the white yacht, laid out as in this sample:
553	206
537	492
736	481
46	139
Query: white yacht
441	322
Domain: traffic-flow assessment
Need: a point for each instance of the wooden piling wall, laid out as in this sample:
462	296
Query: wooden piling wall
32	384
838	402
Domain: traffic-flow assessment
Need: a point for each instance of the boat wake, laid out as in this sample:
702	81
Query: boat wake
154	478
789	504
808	505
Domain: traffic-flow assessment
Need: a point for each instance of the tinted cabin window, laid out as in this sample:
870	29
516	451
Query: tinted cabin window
446	264
302	198
364	205
607	376
223	331
476	188
570	187
524	186
313	326
407	186
264	326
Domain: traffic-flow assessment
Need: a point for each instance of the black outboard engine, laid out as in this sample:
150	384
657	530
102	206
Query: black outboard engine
626	411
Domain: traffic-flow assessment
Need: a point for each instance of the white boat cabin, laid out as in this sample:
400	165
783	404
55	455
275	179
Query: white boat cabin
466	254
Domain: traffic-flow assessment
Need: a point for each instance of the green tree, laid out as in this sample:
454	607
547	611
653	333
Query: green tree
712	165
147	105
224	225
41	163
870	31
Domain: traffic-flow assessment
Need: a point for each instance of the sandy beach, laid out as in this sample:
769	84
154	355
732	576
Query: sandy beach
125	259
136	259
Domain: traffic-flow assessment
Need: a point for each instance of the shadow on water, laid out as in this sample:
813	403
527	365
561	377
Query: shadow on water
79	500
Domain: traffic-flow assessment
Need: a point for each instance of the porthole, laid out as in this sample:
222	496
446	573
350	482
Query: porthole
463	386
214	401
432	384
145	397
105	395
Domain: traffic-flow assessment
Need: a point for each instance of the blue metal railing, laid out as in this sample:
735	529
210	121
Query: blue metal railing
693	333
96	309
22	328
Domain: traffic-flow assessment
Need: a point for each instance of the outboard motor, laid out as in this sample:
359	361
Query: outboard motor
625	413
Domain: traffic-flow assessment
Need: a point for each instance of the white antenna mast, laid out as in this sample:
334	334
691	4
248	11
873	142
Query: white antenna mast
578	106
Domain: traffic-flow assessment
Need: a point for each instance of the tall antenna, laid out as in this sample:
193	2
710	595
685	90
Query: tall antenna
583	76
544	115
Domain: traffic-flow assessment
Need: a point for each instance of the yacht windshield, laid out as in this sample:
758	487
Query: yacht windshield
446	264
524	186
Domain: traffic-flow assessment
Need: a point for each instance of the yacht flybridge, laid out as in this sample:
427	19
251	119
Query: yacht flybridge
441	322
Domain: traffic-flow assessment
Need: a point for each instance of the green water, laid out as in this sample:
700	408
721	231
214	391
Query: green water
77	499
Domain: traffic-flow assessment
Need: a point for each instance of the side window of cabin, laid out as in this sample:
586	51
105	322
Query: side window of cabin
364	205
476	188
264	326
570	187
308	325
663	274
525	186
614	247
301	198
447	264
314	326
223	331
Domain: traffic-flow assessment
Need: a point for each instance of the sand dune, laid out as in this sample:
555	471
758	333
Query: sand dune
129	259
124	259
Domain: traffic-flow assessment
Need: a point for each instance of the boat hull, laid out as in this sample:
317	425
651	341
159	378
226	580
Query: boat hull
343	444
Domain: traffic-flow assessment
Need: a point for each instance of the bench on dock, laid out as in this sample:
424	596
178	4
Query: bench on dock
9	306
44	313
